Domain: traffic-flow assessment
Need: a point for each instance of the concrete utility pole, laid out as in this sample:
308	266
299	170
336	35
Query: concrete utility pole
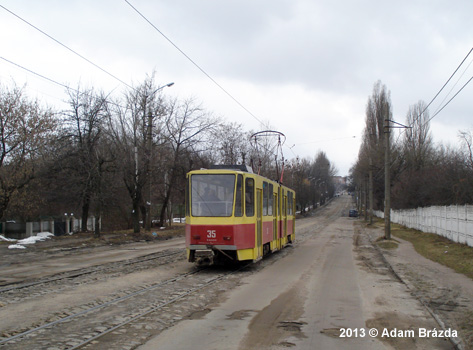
149	151
365	197
387	180
387	174
371	190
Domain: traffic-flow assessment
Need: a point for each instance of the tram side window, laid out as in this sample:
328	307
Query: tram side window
188	210
279	201
265	198
239	197
270	199
290	203
250	197
284	204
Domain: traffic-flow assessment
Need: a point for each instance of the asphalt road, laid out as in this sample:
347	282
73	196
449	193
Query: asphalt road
327	291
333	279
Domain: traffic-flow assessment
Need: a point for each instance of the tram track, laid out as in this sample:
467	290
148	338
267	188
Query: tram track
89	275
88	270
92	323
124	317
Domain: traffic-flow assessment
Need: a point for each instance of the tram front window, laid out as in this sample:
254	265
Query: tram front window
212	194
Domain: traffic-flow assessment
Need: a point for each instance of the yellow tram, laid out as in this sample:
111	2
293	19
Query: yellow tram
233	214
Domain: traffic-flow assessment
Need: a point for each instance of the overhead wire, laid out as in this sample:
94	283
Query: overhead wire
37	74
120	80
453	87
55	82
327	140
438	93
67	47
439	109
446	104
194	63
451	76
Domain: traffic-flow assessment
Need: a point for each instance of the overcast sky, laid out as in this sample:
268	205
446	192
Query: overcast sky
306	67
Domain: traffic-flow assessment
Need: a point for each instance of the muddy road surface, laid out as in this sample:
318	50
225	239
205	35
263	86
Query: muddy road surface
330	290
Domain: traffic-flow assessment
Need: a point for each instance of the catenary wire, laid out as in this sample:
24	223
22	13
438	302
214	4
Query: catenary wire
68	48
445	105
55	82
438	93
193	62
453	87
37	74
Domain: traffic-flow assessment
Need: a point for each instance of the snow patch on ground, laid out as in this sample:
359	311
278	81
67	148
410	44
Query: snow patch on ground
3	238
16	246
41	236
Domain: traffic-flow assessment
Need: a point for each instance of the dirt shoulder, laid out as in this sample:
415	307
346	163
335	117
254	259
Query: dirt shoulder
87	240
447	295
65	253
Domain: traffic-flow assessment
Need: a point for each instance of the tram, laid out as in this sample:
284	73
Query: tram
233	214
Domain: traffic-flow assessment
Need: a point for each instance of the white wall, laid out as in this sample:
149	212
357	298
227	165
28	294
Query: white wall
453	222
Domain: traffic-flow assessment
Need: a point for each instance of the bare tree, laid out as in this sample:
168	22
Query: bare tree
24	130
136	130
418	144
378	110
86	121
230	143
186	127
301	182
466	137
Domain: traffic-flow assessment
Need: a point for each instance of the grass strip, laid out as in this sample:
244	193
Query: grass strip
456	256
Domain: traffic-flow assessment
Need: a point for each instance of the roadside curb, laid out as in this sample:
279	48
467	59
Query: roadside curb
456	342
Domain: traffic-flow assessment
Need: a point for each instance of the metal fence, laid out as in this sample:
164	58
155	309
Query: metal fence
453	222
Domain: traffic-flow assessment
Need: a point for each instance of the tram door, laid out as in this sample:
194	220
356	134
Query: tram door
280	223
259	221
284	213
275	220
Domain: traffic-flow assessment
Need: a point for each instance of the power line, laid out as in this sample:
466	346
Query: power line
55	82
327	140
37	74
193	62
66	47
438	93
445	105
441	89
454	86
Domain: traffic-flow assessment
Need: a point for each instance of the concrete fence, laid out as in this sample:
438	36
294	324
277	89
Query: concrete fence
20	230
453	222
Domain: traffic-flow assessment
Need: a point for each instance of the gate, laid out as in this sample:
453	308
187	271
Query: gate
59	228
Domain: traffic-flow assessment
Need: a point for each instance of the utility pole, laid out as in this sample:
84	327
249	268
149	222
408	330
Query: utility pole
136	218
365	197
150	150
387	180
387	174
370	185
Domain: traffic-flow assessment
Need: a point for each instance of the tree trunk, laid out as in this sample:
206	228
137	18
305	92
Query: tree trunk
143	214
162	215
85	212
97	226
136	216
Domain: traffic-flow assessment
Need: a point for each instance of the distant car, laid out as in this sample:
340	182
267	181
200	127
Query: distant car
353	213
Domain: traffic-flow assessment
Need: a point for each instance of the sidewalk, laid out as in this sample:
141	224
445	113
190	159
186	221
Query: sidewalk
447	295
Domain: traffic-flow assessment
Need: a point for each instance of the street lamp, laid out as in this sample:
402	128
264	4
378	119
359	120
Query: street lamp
161	87
150	143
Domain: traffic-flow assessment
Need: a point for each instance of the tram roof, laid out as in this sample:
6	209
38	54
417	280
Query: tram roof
241	167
